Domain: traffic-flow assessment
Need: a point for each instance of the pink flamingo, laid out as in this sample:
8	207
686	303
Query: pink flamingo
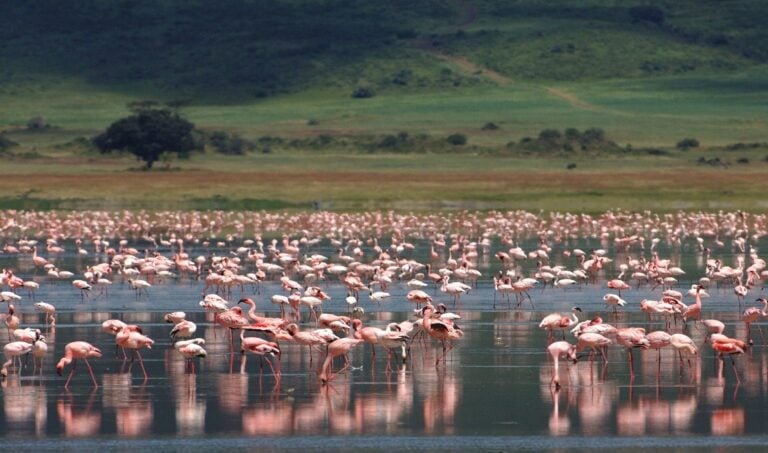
557	350
618	285
189	349
131	337
183	329
232	319
731	346
262	348
630	338
694	311
310	339
659	339
443	331
682	343
74	351
13	351
339	348
751	315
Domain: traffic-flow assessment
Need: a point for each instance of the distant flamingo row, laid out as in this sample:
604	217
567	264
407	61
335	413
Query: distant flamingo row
146	249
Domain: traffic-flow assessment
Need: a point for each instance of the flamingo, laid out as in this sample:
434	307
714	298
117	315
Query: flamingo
189	349
74	351
455	289
630	338
175	317
84	288
139	286
184	329
618	285
50	312
131	337
310	339
594	341
12	351
441	330
683	343
418	297
751	315
557	321
614	300
731	346
659	339
262	348
232	319
557	350
694	311
338	348
11	320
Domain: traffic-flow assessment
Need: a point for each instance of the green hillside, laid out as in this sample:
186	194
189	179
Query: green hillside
258	48
648	73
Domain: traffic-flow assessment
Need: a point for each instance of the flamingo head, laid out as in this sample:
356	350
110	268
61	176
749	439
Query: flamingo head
572	354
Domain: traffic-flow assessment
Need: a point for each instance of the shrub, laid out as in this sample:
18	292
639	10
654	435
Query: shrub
570	166
37	123
457	139
549	135
593	135
6	143
647	13
490	126
230	144
362	93
687	143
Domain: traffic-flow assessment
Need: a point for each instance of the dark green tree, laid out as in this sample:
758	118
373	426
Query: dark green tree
148	134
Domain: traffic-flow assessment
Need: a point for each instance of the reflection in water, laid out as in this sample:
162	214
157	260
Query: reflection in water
496	365
79	420
132	404
25	404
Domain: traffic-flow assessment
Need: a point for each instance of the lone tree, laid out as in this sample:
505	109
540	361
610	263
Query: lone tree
148	134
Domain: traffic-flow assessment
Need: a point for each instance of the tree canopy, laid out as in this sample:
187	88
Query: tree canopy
148	134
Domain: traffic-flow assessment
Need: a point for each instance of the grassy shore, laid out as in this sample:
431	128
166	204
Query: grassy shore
402	182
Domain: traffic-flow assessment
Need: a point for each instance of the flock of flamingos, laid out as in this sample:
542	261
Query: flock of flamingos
374	252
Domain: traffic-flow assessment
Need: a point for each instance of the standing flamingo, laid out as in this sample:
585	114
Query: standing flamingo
444	331
262	348
50	312
339	348
751	315
131	337
557	321
659	339
78	350
630	338
731	346
618	285
557	350
189	349
12	351
682	343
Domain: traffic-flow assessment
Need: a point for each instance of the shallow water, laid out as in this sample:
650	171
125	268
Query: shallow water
492	394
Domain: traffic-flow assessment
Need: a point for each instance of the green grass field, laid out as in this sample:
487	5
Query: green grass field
437	68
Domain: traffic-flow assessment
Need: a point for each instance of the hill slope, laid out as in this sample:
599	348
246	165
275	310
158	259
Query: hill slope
253	48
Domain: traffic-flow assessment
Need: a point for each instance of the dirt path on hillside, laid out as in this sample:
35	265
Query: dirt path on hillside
467	66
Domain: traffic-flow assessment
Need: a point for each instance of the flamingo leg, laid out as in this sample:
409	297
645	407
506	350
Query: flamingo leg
735	371
71	372
141	362
90	370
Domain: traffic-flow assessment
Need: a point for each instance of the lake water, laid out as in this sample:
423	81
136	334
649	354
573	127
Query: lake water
492	394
